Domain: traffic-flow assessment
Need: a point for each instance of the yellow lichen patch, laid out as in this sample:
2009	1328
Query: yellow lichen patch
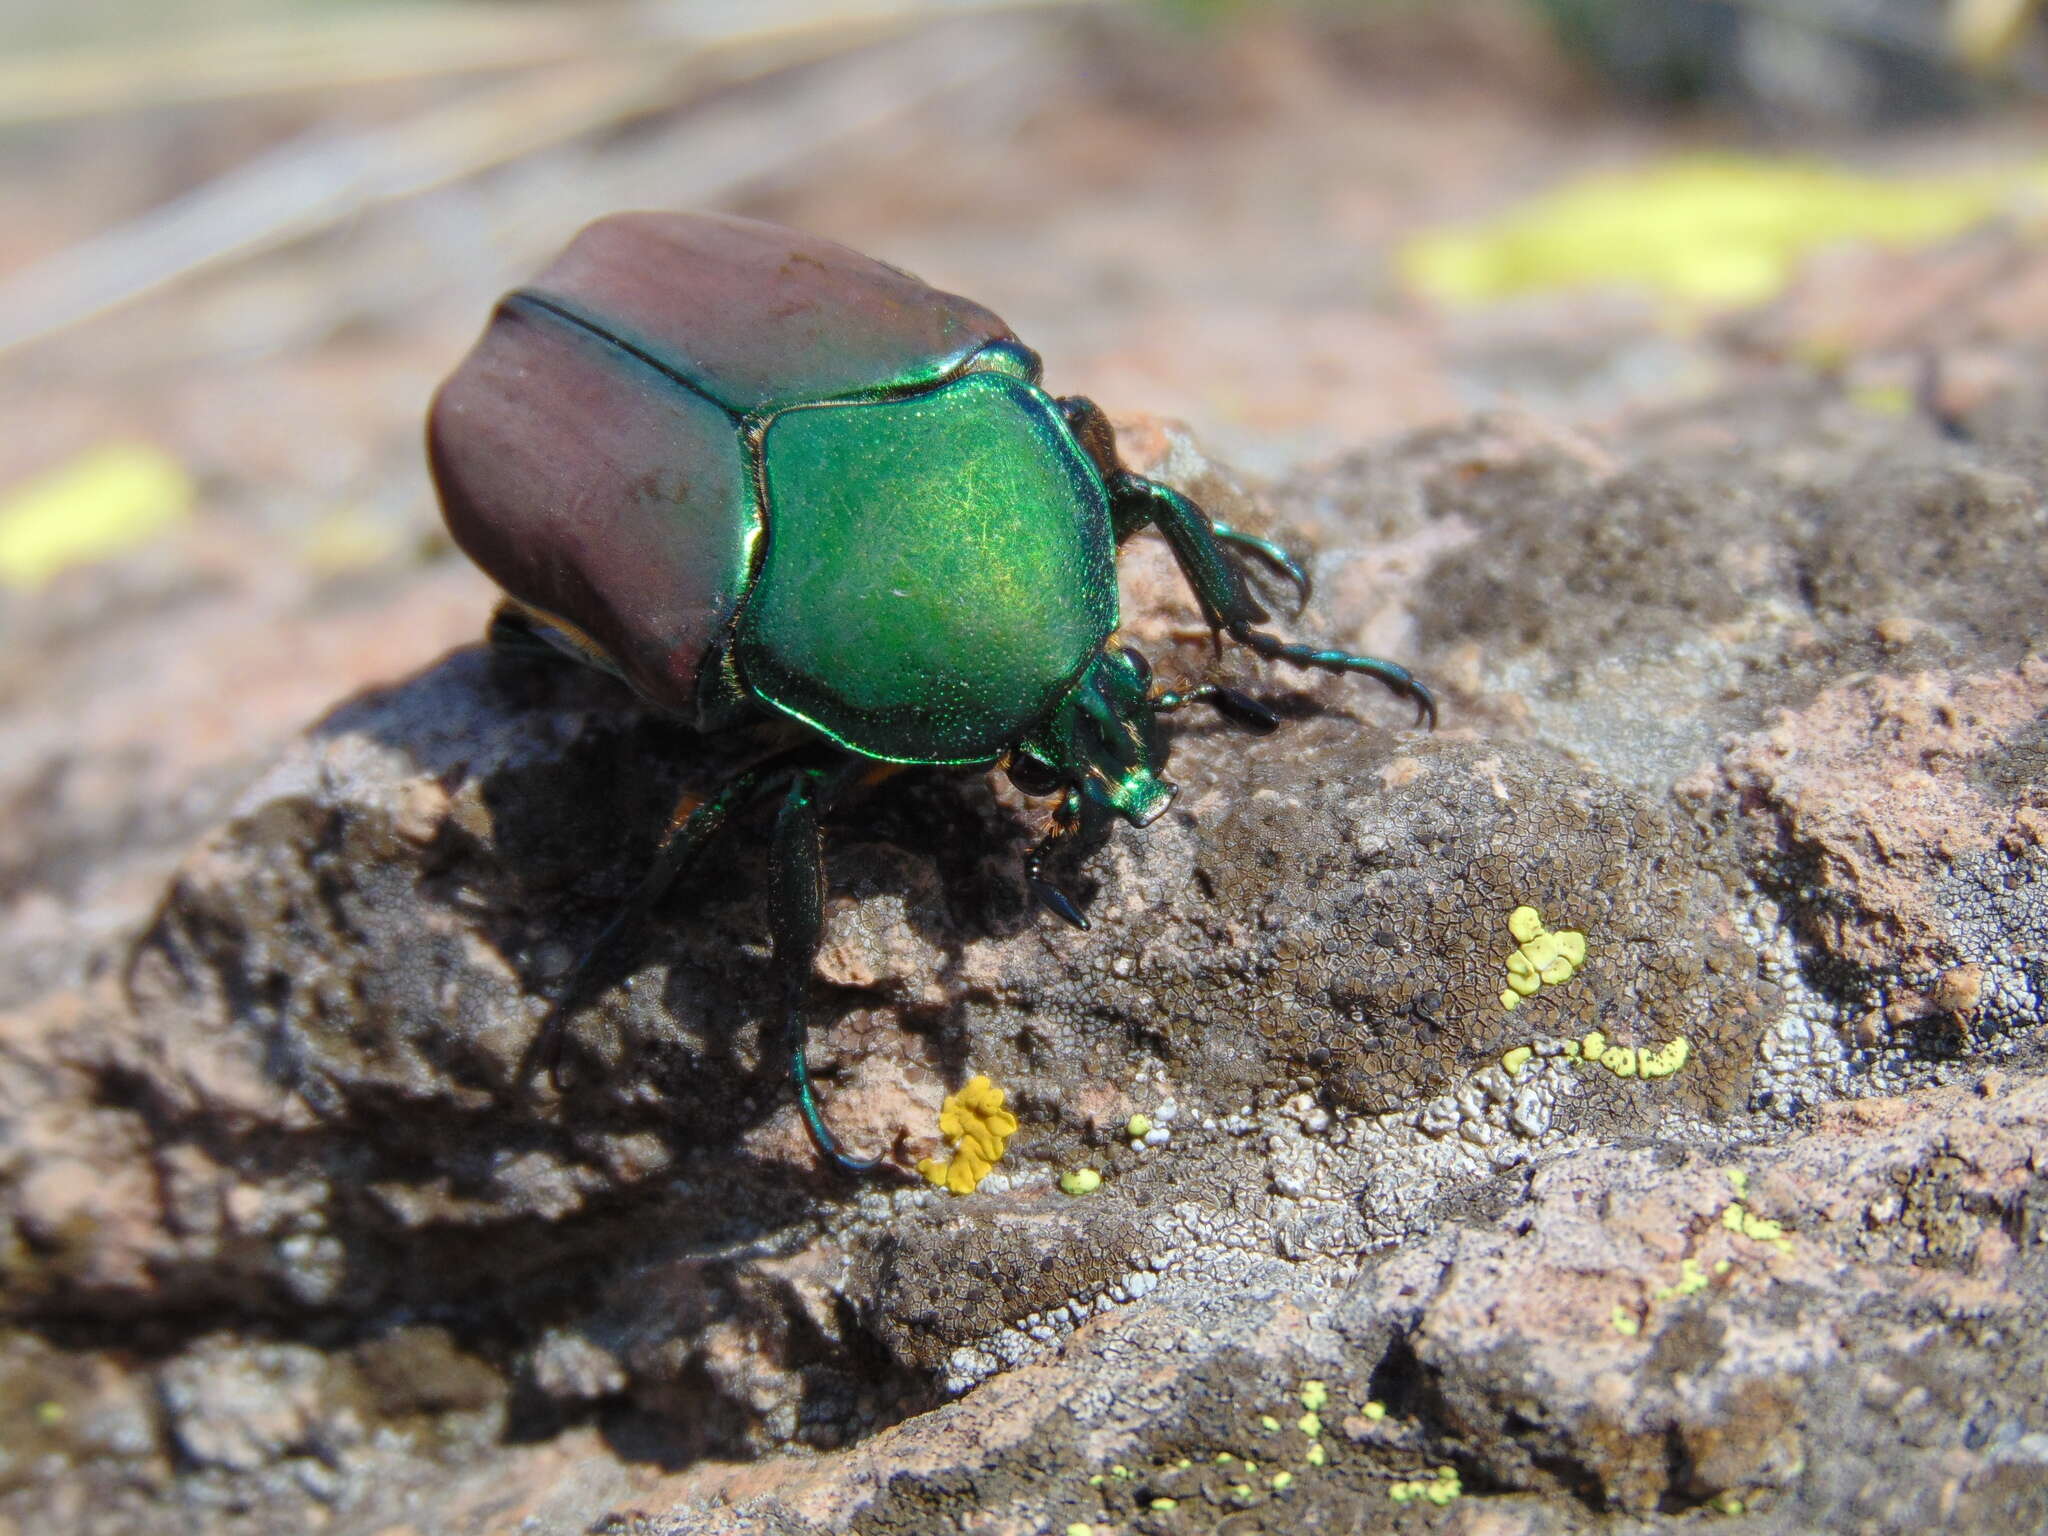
1375	1411
979	1128
98	504
1280	1482
1624	1322
1310	1424
1738	1218
1762	1229
1315	1395
1513	1061
1439	1489
1647	1061
1691	1281
1080	1181
1315	1456
1541	958
1138	1127
349	539
1701	229
1662	1060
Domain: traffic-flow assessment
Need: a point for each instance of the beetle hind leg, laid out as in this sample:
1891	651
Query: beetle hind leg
690	830
796	914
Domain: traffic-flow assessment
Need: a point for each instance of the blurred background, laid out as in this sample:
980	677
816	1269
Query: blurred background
241	240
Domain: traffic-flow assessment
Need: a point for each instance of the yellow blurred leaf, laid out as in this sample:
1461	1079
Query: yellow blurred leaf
105	500
1709	229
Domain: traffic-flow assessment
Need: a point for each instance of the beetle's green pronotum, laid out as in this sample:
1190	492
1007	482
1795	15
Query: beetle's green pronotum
752	472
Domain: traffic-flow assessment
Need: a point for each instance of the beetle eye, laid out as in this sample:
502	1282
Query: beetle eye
1140	666
1030	775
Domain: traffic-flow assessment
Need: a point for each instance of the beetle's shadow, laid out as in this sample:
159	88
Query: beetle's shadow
577	780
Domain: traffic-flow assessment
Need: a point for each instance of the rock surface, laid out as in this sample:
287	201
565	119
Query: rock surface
1744	1217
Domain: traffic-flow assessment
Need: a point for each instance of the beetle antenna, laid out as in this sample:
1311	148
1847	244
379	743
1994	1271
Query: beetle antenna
1066	824
1240	709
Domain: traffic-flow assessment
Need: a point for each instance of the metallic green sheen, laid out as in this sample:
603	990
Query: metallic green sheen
939	570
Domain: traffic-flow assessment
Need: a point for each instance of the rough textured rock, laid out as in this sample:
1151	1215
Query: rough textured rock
1790	792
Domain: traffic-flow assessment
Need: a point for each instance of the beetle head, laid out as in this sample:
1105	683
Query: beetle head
1103	739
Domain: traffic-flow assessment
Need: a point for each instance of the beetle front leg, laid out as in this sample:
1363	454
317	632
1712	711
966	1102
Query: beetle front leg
1273	555
1066	823
1128	514
1220	589
796	915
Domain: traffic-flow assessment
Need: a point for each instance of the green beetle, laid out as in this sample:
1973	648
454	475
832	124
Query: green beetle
750	471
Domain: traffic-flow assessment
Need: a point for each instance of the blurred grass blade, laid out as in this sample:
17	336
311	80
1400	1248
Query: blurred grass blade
315	181
311	53
326	177
425	41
